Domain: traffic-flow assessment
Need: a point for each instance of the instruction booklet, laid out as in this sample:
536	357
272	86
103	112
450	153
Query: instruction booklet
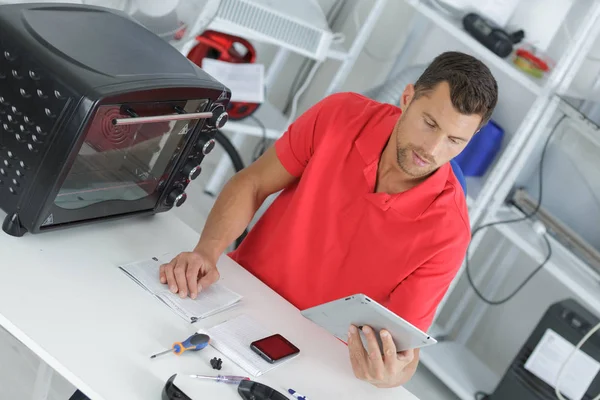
214	299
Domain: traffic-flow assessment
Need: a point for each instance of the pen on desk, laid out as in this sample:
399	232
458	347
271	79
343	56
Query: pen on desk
297	395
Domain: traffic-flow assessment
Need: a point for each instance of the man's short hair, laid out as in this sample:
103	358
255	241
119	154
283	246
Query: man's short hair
473	88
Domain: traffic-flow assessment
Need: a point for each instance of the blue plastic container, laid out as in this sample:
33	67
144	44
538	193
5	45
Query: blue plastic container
481	151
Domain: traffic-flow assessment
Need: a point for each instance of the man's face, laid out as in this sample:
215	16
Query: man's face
431	131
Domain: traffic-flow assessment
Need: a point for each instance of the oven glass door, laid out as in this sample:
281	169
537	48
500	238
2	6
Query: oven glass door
119	168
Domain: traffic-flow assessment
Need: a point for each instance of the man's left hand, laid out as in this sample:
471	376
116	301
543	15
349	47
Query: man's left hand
388	370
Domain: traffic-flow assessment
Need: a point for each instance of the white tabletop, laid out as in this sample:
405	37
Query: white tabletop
62	295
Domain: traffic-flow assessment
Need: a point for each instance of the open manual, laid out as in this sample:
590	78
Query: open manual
212	300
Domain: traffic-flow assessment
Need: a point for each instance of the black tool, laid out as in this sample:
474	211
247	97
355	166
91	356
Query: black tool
250	390
491	36
247	389
172	392
216	363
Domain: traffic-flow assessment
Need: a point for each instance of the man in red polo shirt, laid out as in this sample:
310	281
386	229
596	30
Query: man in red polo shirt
369	204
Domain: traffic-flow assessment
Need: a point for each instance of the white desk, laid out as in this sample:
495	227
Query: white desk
62	295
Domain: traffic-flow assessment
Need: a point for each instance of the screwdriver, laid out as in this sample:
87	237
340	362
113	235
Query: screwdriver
196	342
222	378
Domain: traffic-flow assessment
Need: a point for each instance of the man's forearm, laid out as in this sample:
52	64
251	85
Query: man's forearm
232	212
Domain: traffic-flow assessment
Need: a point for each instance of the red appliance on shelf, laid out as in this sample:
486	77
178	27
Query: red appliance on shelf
224	47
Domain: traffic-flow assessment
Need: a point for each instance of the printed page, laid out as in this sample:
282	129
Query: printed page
246	81
214	299
548	357
146	273
233	339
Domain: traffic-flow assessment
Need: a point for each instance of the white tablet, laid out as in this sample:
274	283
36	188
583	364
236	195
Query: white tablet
358	310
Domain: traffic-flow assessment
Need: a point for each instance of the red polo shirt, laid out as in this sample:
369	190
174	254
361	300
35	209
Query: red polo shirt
329	235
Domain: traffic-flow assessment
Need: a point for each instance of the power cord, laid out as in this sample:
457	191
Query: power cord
332	16
262	145
301	91
561	372
540	229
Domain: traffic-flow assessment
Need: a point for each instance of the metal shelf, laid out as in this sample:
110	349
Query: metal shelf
459	369
455	28
337	52
474	185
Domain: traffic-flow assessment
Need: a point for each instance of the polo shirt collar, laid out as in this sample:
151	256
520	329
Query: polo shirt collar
370	144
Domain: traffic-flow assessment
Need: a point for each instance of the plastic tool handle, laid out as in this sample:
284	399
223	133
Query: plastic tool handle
196	342
223	378
231	378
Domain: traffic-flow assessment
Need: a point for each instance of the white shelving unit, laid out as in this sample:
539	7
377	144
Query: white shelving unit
455	30
451	360
275	123
568	269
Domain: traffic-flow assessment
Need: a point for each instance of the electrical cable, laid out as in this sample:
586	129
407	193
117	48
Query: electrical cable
562	369
294	87
331	17
300	92
514	220
262	145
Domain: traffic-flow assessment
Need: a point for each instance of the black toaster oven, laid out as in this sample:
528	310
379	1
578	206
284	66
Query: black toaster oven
99	117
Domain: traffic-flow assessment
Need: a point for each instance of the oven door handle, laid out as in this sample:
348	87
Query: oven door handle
161	118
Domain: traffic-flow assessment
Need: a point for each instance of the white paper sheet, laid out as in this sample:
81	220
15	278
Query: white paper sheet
211	300
246	81
548	357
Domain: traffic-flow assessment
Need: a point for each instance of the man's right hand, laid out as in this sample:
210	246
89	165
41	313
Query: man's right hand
189	273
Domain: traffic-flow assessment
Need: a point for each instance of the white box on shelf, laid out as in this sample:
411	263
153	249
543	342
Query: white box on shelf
300	26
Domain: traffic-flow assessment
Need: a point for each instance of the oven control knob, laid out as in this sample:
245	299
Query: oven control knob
191	170
177	197
219	117
221	120
205	146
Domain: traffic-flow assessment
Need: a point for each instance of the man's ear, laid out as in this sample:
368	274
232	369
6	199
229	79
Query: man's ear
407	96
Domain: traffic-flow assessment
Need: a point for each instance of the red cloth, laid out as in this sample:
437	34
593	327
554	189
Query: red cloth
329	235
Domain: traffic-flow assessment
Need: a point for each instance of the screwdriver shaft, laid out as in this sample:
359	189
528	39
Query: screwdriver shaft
161	353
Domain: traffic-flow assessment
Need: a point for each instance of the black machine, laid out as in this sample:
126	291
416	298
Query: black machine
568	319
99	117
491	36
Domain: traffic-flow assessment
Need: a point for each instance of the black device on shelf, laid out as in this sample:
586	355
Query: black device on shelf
494	38
99	117
568	319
